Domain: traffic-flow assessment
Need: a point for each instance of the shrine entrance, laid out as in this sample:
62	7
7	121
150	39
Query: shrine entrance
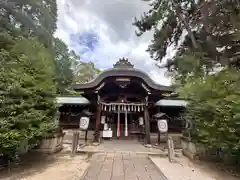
121	98
126	130
124	120
122	102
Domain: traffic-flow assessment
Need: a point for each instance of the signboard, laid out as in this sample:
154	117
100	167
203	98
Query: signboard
162	125
84	123
123	79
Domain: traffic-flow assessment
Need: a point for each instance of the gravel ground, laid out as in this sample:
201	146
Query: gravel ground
184	169
54	167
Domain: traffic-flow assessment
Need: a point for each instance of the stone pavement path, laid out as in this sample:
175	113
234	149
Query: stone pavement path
121	166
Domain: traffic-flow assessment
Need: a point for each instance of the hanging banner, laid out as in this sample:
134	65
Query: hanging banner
126	124
105	126
162	125
140	121
118	125
103	118
84	123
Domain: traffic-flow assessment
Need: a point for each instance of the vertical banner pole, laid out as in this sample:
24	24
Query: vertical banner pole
126	124
118	125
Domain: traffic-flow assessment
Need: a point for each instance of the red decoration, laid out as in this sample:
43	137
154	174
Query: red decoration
118	128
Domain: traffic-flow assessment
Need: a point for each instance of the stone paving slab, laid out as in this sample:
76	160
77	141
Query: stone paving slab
184	169
118	146
121	166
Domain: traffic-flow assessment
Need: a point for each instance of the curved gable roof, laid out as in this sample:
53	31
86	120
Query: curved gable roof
122	72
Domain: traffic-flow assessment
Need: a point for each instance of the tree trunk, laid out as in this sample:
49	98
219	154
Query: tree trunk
187	26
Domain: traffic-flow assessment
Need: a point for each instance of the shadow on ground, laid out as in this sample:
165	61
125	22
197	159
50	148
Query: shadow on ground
30	163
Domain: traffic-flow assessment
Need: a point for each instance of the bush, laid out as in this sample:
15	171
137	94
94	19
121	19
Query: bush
26	94
214	110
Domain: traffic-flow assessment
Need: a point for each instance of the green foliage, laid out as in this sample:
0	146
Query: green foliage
26	93
206	66
85	72
29	18
69	68
34	66
211	27
214	110
65	60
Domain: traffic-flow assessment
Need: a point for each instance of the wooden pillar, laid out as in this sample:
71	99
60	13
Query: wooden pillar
159	138
86	136
97	126
69	114
147	125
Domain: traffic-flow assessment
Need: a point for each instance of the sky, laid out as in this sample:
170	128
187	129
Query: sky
101	31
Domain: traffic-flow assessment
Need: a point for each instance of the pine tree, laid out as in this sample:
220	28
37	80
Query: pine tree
27	93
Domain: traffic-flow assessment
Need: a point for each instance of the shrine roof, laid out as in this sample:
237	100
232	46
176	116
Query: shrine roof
172	102
71	100
123	68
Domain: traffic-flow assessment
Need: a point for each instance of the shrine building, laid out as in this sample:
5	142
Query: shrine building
121	103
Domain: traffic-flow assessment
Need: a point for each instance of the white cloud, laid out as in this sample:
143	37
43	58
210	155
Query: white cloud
115	41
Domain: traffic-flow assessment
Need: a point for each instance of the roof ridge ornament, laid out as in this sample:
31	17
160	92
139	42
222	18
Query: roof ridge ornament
123	63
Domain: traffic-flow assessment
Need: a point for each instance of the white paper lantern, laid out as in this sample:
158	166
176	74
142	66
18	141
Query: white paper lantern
162	125
84	123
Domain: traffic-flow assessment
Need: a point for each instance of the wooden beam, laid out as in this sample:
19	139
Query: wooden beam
147	125
97	126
